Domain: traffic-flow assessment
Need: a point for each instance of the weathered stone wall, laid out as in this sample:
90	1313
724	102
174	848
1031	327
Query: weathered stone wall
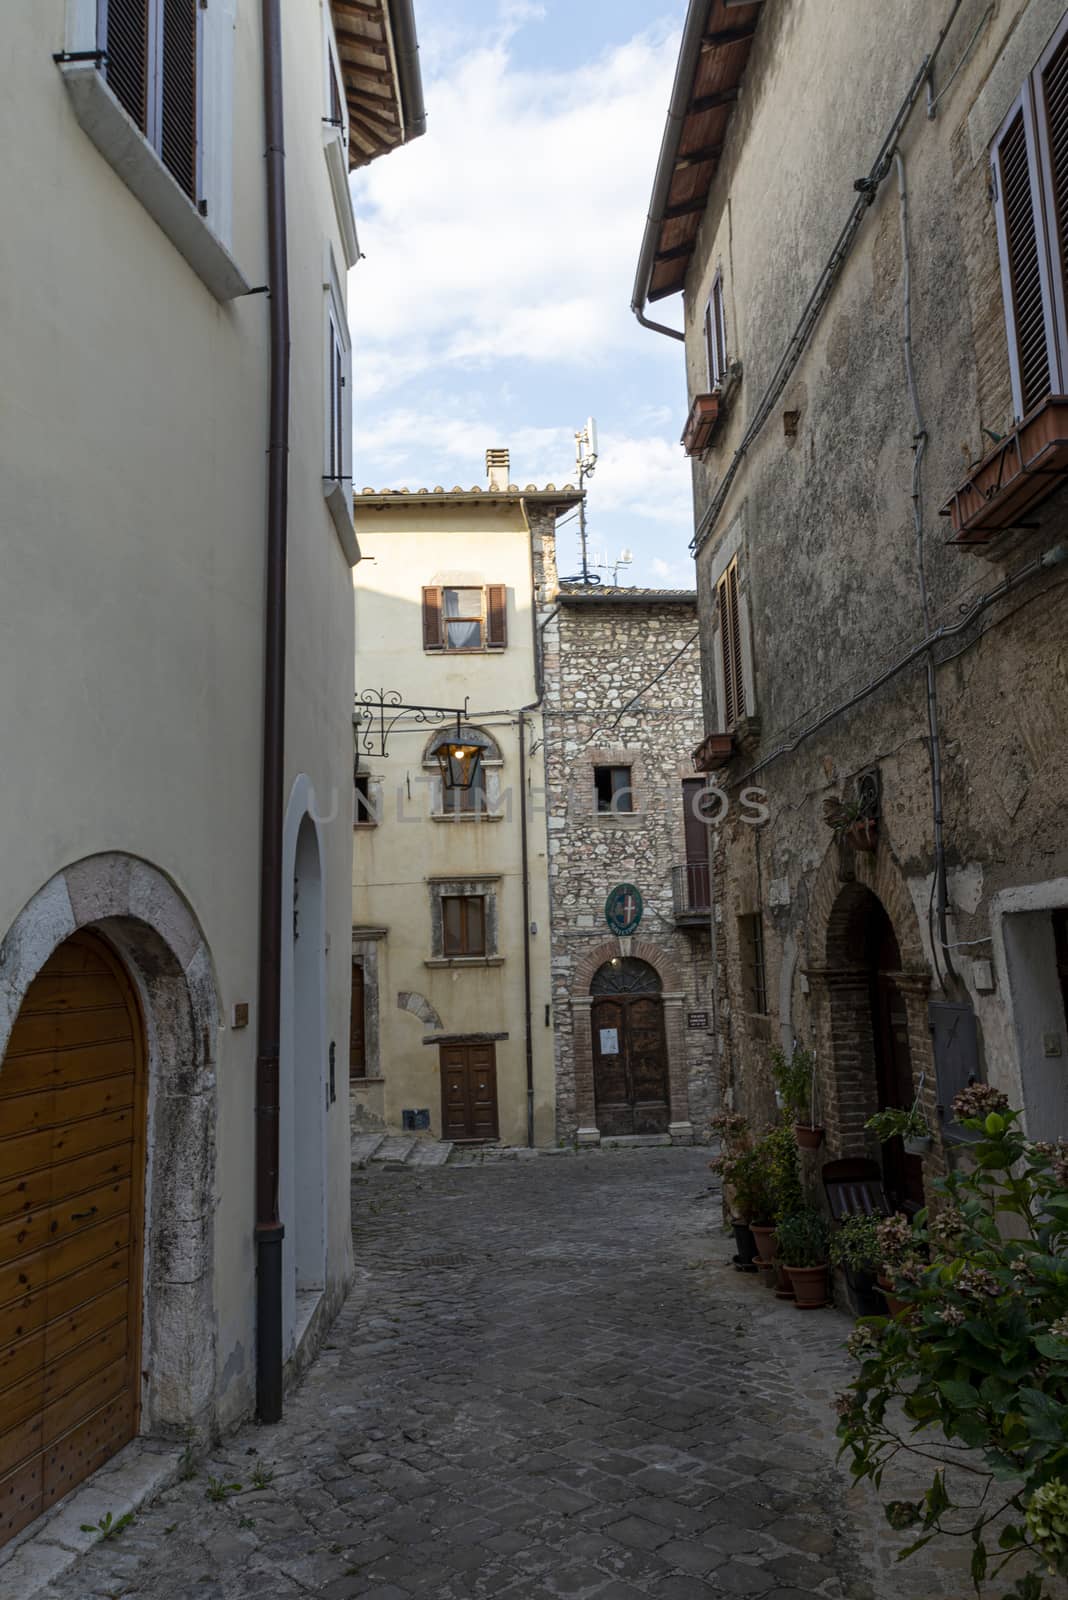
822	518
601	707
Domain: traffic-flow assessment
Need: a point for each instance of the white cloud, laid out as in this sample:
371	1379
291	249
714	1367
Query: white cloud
512	229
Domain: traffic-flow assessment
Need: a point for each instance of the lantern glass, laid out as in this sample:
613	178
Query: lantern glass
459	763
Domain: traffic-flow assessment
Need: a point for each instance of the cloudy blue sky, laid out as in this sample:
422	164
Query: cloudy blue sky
493	306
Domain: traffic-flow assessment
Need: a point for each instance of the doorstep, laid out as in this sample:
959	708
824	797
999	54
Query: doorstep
52	1544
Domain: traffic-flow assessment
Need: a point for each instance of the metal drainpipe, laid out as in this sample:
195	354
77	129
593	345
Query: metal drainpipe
269	1230
919	446
527	1003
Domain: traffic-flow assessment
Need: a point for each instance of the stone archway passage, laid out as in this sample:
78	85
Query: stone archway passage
72	1162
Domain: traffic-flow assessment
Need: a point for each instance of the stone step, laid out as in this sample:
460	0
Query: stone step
430	1153
364	1146
396	1147
635	1141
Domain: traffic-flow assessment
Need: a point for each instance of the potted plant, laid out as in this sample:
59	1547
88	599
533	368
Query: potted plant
910	1126
744	1181
855	1248
795	1092
779	1149
803	1244
853	821
900	1259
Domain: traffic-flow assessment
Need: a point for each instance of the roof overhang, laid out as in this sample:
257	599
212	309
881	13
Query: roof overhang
406	499
379	54
594	596
716	40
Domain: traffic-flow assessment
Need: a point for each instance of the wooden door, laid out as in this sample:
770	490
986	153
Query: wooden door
72	1157
357	1029
469	1092
902	1173
630	1075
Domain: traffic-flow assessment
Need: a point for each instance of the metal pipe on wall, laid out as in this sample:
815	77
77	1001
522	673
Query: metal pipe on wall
269	1232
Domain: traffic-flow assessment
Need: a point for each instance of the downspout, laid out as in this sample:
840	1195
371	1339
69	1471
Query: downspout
527	1004
269	1230
919	446
409	77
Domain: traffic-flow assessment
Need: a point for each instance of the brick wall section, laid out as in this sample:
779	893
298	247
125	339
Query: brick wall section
596	659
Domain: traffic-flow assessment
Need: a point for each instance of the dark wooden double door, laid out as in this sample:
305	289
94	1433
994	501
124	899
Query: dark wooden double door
630	1070
469	1092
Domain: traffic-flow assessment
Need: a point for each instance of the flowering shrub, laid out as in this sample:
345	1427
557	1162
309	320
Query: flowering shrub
732	1128
981	1354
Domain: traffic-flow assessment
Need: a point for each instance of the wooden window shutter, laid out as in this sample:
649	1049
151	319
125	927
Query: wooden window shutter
433	621
1051	123
357	1043
125	38
1025	266
496	616
178	109
730	642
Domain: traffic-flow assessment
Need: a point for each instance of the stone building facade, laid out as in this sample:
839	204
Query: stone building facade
880	573
621	675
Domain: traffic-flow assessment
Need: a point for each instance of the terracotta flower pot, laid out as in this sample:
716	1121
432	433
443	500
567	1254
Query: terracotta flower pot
863	835
807	1138
893	1304
766	1242
784	1289
810	1287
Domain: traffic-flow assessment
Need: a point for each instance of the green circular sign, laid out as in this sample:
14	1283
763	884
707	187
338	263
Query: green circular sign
623	909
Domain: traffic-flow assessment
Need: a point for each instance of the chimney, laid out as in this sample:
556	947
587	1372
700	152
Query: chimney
497	468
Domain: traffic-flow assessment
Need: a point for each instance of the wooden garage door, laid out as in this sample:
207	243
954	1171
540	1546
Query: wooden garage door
71	1206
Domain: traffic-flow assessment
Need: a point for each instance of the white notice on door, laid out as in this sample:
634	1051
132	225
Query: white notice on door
609	1041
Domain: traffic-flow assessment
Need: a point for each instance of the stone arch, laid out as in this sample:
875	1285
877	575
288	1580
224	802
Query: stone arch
147	921
673	995
843	905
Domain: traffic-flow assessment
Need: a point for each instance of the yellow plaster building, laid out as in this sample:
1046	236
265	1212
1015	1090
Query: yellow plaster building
452	1016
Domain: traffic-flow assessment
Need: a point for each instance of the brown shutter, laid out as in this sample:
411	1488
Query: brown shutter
125	38
433	622
1024	264
357	1047
736	631
178	109
730	642
496	616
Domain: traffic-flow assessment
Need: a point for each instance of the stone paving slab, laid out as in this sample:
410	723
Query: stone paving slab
548	1382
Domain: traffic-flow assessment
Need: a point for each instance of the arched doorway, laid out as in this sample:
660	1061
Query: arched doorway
302	1177
630	1058
902	1173
72	1171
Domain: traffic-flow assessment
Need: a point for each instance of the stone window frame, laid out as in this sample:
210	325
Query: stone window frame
485	885
614	755
366	942
492	766
734	546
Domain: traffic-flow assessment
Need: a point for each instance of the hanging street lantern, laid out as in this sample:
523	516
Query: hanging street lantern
459	760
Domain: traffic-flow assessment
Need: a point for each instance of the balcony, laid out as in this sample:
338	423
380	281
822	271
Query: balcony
691	890
701	424
1013	479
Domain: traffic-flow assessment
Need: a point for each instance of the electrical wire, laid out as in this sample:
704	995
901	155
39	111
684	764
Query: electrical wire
635	698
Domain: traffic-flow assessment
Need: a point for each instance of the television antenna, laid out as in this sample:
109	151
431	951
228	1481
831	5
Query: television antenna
625	558
585	463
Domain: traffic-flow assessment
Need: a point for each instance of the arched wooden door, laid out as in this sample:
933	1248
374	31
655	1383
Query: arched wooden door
630	1065
72	1161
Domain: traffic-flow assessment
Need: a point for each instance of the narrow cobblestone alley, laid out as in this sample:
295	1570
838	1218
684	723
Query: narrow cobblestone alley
547	1382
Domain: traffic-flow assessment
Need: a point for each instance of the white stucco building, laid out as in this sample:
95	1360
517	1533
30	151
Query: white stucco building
134	517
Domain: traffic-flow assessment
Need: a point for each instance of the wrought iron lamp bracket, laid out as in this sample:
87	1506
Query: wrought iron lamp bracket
376	712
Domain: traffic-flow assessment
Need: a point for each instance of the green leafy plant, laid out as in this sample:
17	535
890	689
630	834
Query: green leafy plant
745	1175
981	1359
109	1526
732	1128
218	1490
793	1079
840	814
855	1243
262	1477
779	1152
803	1239
893	1123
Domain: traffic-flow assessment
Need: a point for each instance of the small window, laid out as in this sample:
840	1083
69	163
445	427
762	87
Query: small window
463	924
1060	940
612	787
716	335
465	619
1030	172
365	815
730	647
338	403
153	70
754	975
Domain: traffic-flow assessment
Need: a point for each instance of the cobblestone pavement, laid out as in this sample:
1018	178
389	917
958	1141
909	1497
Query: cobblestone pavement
547	1382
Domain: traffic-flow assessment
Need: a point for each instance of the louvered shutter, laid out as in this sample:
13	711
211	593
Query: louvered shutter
1050	81
736	639
730	642
178	101
124	36
1025	269
496	616
433	623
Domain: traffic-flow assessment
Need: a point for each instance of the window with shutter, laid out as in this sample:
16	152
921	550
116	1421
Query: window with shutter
496	616
433	622
337	397
1030	177
730	646
716	335
153	69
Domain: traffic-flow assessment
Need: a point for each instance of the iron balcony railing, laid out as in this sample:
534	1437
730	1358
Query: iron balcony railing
691	888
